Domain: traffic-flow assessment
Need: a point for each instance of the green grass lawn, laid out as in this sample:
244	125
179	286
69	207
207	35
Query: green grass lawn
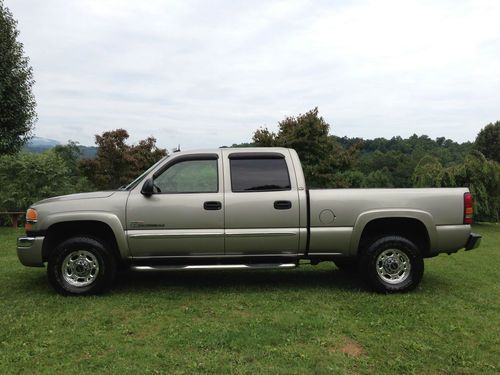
313	320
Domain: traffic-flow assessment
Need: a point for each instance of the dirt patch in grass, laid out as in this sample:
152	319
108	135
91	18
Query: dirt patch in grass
352	348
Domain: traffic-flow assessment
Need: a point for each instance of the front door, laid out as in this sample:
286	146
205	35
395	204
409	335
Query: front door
185	215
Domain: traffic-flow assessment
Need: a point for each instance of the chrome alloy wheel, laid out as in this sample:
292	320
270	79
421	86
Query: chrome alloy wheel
393	266
80	268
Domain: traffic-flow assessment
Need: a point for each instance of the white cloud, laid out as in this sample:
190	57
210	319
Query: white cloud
209	73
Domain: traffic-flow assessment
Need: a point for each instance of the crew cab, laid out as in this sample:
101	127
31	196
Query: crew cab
242	208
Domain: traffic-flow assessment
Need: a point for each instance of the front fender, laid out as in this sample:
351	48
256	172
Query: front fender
107	218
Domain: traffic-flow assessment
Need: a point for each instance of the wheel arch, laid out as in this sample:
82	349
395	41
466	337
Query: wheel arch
418	226
107	228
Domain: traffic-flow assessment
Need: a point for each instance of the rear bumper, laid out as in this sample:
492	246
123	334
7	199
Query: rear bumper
473	242
451	238
29	251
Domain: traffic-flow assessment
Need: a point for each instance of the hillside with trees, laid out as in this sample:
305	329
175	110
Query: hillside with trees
28	177
417	161
329	162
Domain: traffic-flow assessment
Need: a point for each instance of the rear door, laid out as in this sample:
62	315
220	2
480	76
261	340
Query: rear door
261	203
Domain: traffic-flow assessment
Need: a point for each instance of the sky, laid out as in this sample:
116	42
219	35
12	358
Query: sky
209	73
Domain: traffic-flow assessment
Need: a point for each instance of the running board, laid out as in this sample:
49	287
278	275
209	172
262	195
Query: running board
213	267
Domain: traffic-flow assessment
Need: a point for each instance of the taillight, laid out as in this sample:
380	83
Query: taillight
468	208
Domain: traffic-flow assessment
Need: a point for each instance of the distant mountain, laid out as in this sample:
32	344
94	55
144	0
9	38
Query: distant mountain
88	152
40	144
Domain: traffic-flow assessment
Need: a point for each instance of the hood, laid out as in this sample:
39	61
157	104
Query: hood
79	196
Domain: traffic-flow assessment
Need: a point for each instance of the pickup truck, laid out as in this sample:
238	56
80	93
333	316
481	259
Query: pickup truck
242	208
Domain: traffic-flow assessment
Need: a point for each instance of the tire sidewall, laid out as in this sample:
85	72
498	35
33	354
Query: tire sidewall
94	246
369	264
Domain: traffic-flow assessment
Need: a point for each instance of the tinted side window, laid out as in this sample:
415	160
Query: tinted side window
191	176
259	175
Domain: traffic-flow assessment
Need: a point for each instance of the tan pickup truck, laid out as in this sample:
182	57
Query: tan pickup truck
242	208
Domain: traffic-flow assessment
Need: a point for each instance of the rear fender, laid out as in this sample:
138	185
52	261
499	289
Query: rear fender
366	217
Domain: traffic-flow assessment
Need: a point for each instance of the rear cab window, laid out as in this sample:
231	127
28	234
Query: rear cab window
254	172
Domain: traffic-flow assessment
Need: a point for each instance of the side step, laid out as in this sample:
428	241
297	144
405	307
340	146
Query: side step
213	267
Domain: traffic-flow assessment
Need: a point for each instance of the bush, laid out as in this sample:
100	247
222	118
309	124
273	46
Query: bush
27	178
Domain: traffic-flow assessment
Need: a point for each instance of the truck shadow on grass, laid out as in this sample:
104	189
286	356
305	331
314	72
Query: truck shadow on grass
302	279
130	282
244	280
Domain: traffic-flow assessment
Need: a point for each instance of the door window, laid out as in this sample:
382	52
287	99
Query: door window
259	175
190	176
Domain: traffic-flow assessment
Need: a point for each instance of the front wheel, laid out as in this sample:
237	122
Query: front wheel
392	264
81	266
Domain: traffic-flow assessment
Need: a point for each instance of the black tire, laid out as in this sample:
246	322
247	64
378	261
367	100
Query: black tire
91	269
348	265
392	264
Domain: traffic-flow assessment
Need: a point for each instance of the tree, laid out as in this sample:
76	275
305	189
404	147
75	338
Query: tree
144	155
480	175
428	172
117	163
381	178
264	138
109	169
488	141
71	155
17	103
27	178
323	158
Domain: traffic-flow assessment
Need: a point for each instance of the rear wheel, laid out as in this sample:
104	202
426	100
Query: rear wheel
81	266
392	264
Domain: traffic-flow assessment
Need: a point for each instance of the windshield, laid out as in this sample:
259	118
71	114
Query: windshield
134	183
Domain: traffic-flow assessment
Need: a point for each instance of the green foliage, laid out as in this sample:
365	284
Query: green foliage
71	154
417	161
264	138
480	175
27	178
351	178
116	162
323	158
428	172
396	166
488	141
399	157
17	103
381	178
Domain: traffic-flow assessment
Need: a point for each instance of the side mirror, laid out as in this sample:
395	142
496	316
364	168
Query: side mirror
148	188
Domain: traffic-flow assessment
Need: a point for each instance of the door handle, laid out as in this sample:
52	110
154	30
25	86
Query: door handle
282	205
212	205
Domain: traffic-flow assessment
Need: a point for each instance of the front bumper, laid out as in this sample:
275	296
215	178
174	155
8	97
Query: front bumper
29	251
473	241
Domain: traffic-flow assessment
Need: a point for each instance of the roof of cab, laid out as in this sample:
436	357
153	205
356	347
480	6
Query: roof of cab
238	149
